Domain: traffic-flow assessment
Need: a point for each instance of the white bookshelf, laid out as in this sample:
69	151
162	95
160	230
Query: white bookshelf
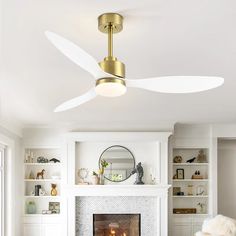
187	200
51	169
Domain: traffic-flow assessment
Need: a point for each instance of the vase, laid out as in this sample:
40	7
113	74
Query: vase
101	179
54	190
31	207
94	180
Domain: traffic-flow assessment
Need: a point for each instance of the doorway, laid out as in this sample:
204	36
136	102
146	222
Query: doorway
227	177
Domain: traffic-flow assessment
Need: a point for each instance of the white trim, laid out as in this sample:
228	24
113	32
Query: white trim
2	189
10	185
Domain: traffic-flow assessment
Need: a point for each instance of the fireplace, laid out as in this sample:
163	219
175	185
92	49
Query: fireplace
116	224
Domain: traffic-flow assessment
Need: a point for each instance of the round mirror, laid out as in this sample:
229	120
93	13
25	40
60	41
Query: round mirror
119	162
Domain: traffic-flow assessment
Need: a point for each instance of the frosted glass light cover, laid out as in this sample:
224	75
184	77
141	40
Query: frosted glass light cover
110	89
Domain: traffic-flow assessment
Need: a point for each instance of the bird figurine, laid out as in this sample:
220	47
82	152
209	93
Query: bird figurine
54	160
191	160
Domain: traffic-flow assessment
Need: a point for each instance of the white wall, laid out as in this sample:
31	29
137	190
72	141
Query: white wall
227	178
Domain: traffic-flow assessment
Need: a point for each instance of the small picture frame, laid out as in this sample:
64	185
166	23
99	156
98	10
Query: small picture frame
180	173
176	190
54	207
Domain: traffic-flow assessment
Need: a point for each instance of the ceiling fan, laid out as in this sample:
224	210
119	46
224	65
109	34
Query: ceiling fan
109	74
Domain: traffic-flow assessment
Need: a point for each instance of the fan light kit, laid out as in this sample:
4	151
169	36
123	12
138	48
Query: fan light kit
109	74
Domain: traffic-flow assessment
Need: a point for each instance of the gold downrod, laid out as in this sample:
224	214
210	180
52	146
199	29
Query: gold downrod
110	41
111	23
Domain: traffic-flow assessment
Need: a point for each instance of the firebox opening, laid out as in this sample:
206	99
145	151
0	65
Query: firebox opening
116	224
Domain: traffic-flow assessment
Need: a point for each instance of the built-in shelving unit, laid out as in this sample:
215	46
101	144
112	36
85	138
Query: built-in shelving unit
52	175
188	192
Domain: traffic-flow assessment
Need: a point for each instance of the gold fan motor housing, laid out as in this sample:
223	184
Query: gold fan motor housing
111	23
112	66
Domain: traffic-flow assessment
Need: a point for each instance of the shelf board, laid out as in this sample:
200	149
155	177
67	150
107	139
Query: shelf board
190	164
37	215
190	180
193	196
42	164
42	180
190	214
28	196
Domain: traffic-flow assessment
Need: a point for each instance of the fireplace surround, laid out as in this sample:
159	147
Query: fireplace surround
144	207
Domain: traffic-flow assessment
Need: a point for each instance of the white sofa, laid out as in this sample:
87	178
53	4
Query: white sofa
218	226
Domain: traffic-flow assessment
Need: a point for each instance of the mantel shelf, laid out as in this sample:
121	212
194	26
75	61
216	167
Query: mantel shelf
120	190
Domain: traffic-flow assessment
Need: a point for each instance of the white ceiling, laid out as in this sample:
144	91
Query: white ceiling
160	37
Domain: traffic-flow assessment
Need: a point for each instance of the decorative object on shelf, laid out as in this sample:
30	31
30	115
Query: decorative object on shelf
101	177
184	210
54	160
54	207
180	173
94	178
46	212
153	180
191	160
31	175
175	176
31	207
180	194
36	189
103	165
29	157
197	175
32	193
40	174
42	192
200	190
201	208
152	176
54	190
139	173
178	159
201	158
176	190
26	157
119	163
83	174
190	190
42	159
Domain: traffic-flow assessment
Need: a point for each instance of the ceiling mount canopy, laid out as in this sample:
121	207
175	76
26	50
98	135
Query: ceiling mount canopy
109	74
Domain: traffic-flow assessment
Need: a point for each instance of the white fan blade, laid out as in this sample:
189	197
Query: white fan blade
176	84
91	94
76	54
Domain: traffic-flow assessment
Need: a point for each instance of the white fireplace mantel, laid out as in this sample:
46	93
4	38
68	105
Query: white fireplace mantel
120	190
155	156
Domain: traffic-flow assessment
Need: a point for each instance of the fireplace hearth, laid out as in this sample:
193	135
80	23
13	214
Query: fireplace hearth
116	224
